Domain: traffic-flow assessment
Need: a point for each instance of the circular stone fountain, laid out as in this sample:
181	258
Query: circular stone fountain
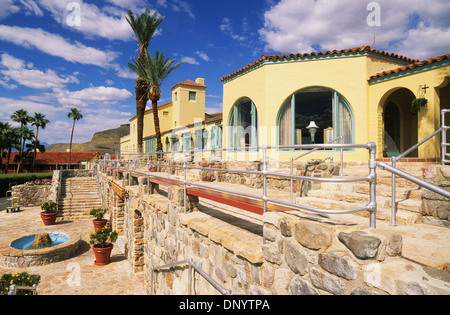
39	249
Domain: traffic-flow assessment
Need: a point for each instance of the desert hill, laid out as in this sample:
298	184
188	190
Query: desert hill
103	142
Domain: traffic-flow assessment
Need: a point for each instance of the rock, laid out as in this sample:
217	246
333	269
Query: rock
313	236
340	266
327	282
362	245
41	240
301	287
296	258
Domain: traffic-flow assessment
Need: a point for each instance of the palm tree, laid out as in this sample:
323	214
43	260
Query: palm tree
75	114
3	140
12	140
144	28
21	116
39	121
154	70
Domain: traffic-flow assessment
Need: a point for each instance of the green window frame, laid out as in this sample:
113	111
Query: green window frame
341	119
243	124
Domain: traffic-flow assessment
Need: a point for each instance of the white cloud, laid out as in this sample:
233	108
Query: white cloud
227	28
294	26
7	7
24	74
92	96
56	45
190	60
177	6
31	6
202	55
106	23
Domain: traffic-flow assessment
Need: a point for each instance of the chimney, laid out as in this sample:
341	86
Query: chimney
200	81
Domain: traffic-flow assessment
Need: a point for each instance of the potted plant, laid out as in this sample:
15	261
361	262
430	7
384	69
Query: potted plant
417	104
49	212
102	245
99	222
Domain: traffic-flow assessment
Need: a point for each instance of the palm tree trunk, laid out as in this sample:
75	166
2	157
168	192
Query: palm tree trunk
70	148
159	146
35	145
141	103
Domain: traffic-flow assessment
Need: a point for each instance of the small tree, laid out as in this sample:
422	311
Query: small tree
75	114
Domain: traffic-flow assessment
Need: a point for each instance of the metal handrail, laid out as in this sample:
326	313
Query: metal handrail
14	287
192	266
371	207
396	171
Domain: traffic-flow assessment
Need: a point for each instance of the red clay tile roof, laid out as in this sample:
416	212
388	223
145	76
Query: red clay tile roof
334	52
189	83
53	158
414	65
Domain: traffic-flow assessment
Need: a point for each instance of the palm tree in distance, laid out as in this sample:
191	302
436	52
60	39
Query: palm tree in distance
21	116
40	122
75	114
154	70
144	27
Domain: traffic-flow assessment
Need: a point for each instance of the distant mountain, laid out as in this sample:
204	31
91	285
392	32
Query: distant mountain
103	142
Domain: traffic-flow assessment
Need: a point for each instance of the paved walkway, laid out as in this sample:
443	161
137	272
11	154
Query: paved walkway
78	275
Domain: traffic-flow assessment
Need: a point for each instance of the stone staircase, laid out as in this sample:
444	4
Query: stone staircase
354	195
78	196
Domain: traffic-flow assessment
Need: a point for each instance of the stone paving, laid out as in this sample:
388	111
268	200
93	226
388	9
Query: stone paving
77	275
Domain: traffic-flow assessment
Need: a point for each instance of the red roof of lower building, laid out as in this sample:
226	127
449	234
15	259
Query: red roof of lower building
53	158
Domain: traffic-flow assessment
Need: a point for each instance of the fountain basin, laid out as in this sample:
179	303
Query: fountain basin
18	254
25	242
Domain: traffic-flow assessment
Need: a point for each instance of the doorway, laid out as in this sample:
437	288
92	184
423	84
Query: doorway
392	130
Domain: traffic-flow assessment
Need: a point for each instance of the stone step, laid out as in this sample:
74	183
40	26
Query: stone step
407	211
382	190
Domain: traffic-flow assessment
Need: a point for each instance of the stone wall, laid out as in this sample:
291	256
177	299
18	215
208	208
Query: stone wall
293	253
436	208
32	195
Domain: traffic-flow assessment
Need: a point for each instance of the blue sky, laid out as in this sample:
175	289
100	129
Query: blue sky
50	65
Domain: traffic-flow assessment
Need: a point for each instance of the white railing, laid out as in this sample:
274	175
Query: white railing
146	161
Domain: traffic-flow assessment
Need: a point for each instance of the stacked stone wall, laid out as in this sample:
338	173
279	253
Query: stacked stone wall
293	254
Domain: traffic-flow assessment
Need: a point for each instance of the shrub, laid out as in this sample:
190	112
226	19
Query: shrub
49	207
20	278
103	238
98	213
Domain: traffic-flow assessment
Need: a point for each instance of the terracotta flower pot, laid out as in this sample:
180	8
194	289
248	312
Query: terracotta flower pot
99	224
49	218
102	255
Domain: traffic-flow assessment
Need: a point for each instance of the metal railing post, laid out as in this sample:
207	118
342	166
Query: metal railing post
443	138
184	181
393	197
373	184
264	172
342	158
292	180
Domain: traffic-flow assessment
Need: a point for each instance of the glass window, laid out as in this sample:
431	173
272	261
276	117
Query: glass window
244	125
323	108
192	96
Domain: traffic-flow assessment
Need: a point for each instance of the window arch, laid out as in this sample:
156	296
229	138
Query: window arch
244	124
325	107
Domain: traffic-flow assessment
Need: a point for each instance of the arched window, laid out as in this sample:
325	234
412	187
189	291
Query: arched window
321	107
244	124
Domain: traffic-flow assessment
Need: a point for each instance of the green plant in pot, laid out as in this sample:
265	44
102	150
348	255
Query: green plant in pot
102	245
49	212
417	104
99	221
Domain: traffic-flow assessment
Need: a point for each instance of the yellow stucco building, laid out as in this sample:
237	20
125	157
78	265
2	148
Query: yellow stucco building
184	124
361	94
